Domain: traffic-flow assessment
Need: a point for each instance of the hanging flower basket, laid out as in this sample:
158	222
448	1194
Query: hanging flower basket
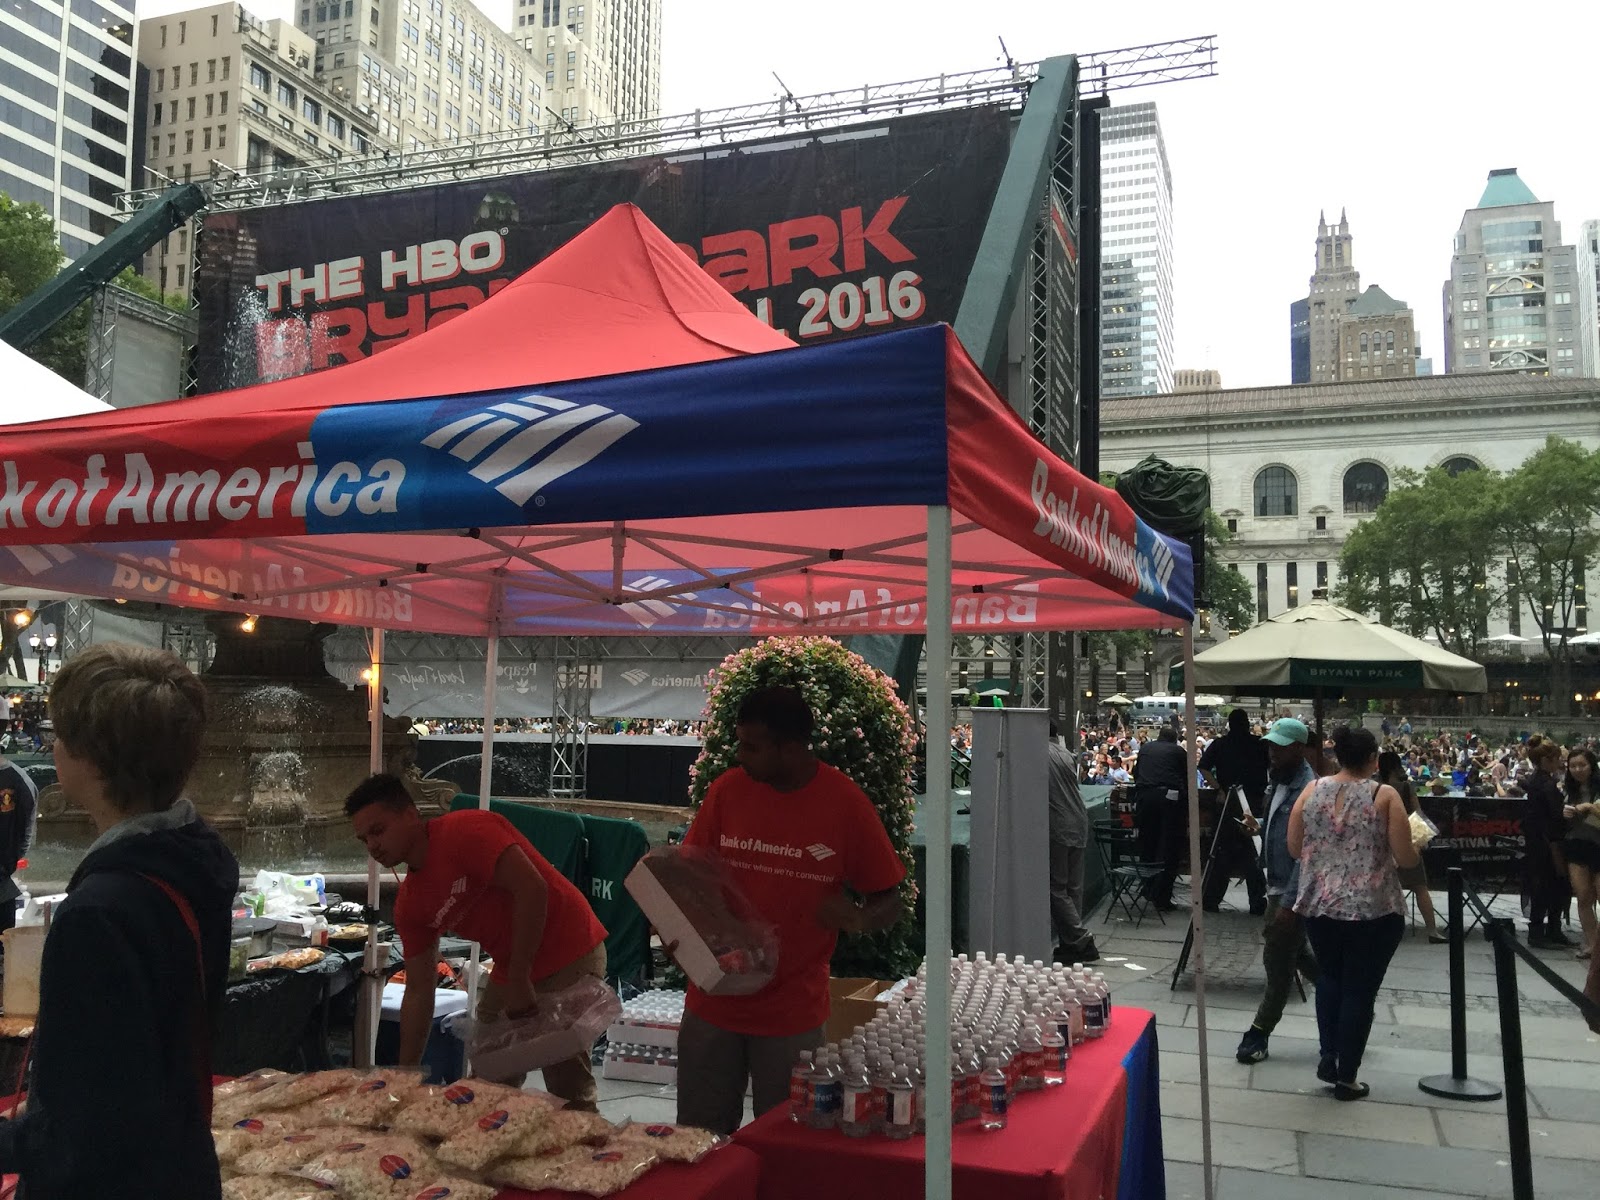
862	728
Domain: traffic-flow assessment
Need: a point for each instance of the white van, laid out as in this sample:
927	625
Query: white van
1156	710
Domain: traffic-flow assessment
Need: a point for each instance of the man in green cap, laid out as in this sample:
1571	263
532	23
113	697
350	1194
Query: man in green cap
1285	950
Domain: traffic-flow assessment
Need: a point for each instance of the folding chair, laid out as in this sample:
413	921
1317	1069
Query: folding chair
1126	871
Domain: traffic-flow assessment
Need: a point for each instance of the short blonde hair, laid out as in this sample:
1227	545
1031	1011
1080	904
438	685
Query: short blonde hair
137	714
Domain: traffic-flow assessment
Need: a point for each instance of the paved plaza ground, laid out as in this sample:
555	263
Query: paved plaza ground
1277	1133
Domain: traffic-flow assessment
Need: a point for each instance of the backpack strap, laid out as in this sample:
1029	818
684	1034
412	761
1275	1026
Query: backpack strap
200	1049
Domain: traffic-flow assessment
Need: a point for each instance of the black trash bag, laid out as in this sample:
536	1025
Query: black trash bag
1174	501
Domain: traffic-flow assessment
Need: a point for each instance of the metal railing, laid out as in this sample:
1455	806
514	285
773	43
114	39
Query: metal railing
1501	932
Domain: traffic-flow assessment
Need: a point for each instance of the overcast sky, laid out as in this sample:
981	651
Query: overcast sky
1395	112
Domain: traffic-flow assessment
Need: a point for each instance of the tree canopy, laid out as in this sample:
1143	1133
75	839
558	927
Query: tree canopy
30	256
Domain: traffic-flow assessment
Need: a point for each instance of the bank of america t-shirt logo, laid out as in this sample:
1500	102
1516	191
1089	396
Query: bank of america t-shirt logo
522	446
819	851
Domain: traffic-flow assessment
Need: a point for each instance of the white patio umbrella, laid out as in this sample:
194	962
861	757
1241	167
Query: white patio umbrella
1506	639
1321	650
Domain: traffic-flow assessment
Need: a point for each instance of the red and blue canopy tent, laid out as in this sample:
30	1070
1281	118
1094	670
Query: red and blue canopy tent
609	444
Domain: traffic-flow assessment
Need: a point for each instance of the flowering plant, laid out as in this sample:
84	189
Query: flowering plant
862	728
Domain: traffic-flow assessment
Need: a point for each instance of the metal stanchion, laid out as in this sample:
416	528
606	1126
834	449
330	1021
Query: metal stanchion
1457	1085
1503	934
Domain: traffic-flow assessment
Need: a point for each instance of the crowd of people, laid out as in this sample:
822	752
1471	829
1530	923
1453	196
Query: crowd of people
617	726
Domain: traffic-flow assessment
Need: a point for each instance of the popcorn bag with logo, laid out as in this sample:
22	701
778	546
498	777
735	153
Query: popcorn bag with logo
567	1023
690	898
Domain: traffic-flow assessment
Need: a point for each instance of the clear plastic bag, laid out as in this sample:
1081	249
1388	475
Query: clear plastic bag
282	1154
498	1133
249	1134
235	1099
443	1112
597	1171
671	1143
274	1187
1423	830
567	1023
300	1090
373	1102
723	943
380	1167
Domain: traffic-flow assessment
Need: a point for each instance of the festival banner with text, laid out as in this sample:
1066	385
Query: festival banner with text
829	235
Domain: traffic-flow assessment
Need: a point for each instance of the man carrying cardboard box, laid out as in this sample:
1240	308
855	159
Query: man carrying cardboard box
810	853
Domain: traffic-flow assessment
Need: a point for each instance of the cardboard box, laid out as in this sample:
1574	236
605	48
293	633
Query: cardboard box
693	953
852	1002
638	1072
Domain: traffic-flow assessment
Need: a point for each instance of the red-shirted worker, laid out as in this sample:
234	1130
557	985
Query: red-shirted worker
808	849
472	874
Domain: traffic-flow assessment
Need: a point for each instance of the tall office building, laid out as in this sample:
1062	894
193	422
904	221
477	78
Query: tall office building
1300	341
1335	284
67	111
1516	299
601	58
228	89
1589	291
1136	297
1377	338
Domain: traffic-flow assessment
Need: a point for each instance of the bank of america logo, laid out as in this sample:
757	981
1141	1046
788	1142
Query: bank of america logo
523	446
819	851
652	611
636	676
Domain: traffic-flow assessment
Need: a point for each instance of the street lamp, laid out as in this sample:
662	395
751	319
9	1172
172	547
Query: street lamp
43	647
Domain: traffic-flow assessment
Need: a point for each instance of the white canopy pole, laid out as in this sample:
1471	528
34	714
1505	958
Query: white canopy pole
1197	907
370	995
491	672
936	832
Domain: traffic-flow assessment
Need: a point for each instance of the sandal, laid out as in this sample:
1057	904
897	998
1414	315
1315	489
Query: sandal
1438	939
1351	1091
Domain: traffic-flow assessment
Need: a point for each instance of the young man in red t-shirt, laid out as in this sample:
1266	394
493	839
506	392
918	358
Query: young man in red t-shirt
472	874
796	833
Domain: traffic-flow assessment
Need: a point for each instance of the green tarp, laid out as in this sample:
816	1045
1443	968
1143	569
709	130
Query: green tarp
596	854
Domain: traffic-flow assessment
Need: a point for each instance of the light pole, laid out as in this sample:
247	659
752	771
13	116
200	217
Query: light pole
43	647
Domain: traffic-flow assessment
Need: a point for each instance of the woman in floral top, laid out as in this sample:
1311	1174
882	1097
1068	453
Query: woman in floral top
1351	835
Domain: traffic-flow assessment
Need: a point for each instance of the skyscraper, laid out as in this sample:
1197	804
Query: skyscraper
601	58
1136	328
1515	299
66	121
1335	284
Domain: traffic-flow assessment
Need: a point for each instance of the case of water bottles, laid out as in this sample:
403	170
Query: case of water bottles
642	1043
1013	1025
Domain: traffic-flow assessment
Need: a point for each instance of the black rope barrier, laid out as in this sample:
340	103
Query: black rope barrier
1502	934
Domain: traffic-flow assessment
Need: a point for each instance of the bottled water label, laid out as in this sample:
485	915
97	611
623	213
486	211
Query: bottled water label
903	1110
858	1107
994	1099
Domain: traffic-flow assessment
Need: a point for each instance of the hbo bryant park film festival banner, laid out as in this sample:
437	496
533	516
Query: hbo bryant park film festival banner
850	232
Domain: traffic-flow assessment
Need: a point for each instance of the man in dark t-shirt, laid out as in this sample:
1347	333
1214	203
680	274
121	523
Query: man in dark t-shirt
1238	759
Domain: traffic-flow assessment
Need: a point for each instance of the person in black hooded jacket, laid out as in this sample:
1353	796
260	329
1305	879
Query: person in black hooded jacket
137	955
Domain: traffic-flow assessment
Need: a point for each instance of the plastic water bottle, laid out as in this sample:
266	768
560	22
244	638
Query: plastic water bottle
994	1099
900	1114
800	1084
1105	997
963	1084
1030	1051
881	1073
1053	1057
919	1090
1075	1006
1094	1011
827	1094
1061	1020
856	1119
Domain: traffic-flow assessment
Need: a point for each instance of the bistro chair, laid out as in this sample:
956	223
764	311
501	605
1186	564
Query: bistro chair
1126	871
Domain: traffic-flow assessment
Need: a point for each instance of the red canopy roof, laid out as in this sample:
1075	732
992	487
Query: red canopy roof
619	297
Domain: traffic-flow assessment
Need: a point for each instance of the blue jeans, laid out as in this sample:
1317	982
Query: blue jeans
1352	958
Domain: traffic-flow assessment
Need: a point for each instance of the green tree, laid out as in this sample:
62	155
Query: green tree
1545	518
1426	561
1228	595
30	256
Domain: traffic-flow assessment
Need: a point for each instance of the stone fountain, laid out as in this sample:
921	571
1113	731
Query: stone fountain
285	744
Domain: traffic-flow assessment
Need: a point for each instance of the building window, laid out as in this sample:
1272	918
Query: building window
1458	464
259	78
1291	574
1365	486
191	108
1277	493
1322	576
1322	523
227	62
183	32
194	74
222	136
1233	524
1261	591
286	95
211	63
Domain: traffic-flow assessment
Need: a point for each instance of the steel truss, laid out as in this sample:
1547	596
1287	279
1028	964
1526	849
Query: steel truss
111	303
516	151
569	728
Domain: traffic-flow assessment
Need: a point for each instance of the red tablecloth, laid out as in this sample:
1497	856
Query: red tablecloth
731	1173
1061	1144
